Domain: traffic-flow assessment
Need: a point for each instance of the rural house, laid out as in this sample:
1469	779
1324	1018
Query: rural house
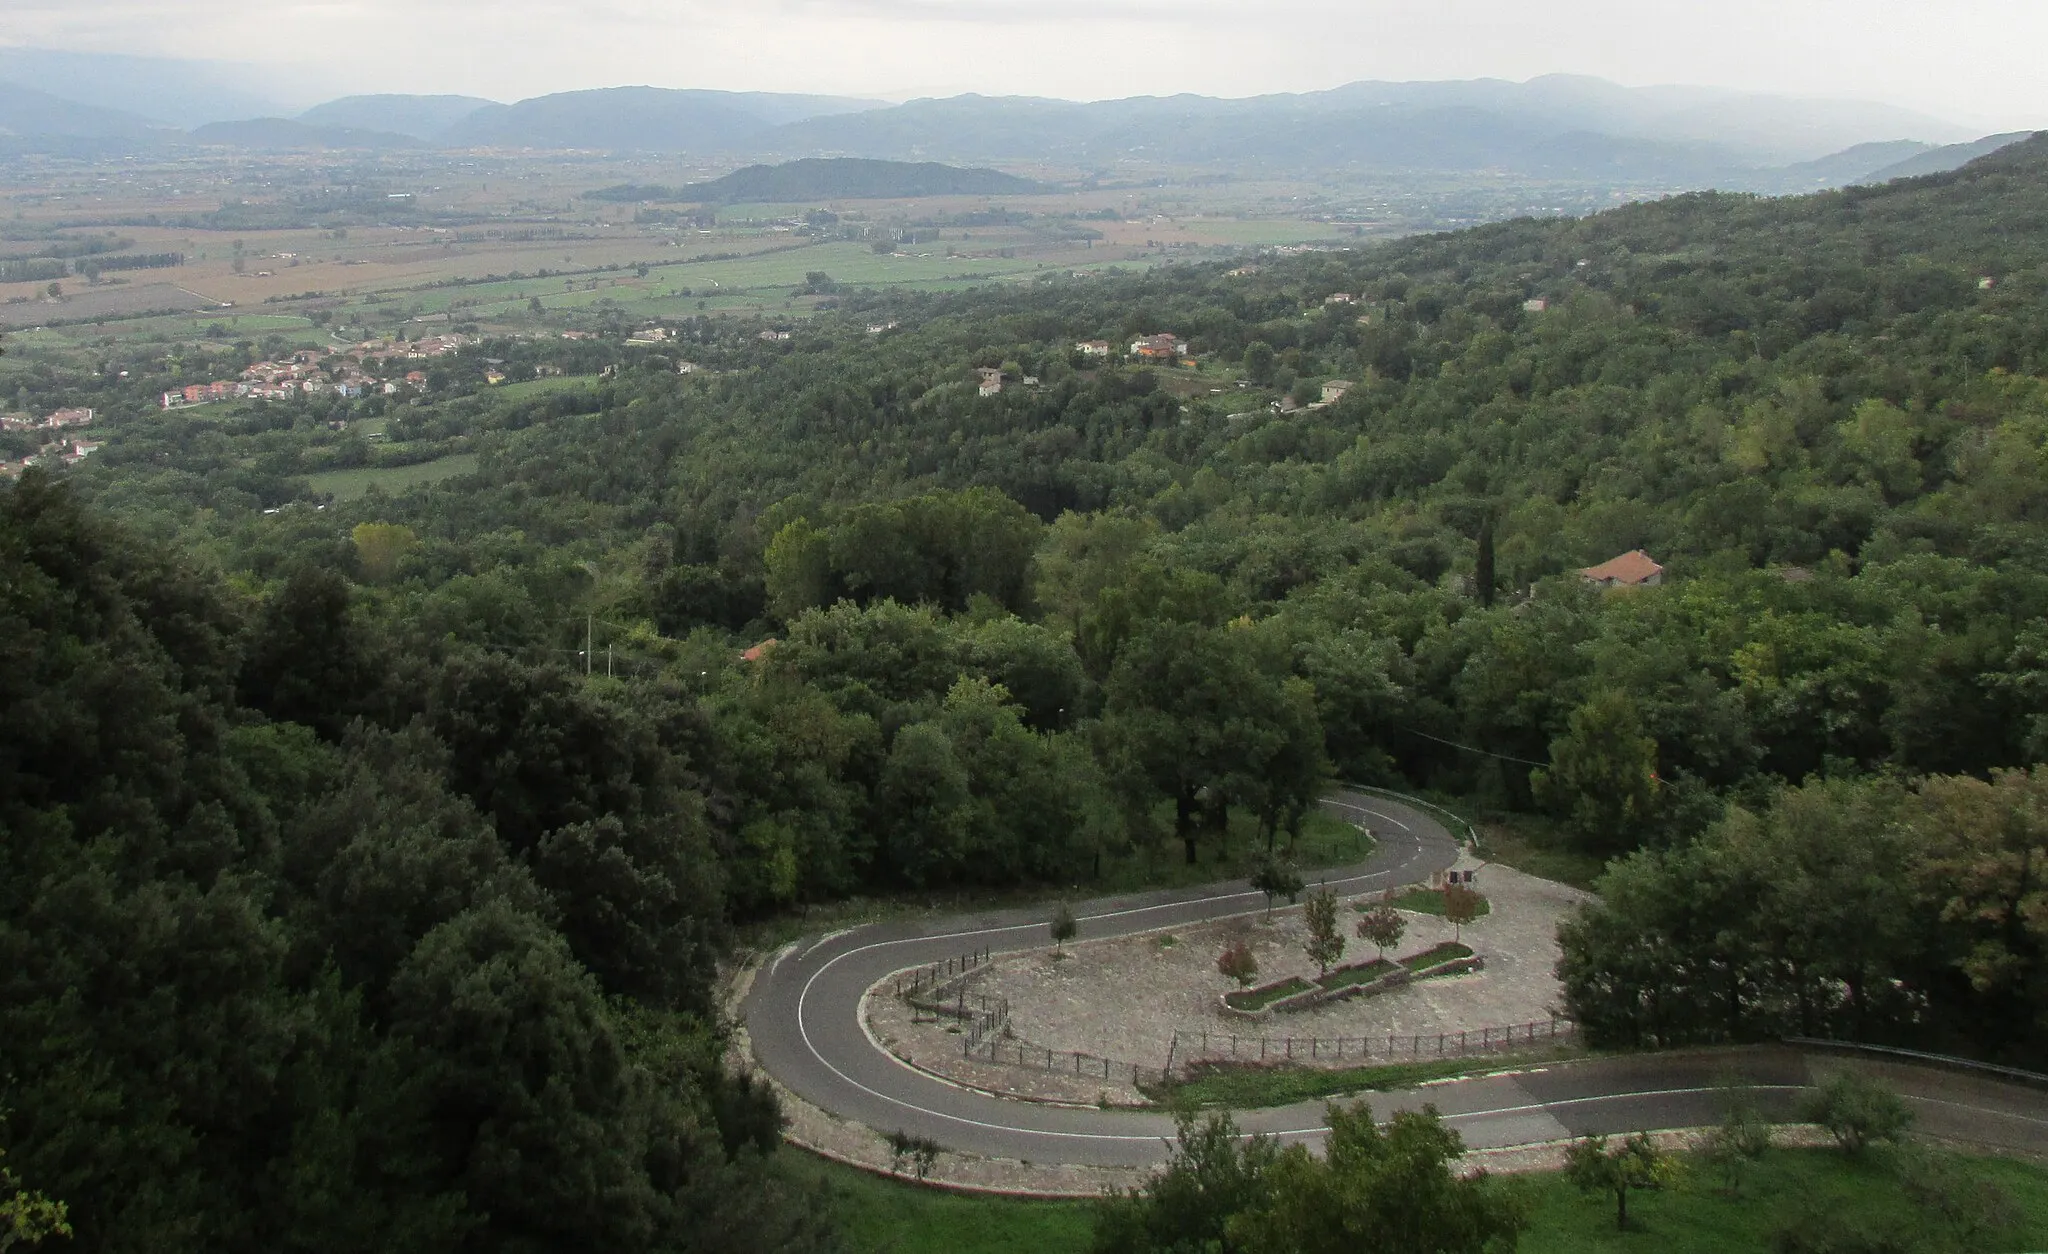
1633	569
1161	347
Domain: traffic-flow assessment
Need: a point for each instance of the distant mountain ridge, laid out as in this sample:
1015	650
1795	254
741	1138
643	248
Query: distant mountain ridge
26	111
163	91
1553	127
276	133
1947	158
642	119
835	178
421	117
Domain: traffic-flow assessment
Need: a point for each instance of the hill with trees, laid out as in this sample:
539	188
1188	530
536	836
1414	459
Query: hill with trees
852	178
515	748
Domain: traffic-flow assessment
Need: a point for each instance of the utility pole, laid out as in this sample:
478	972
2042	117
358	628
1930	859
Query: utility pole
608	661
589	624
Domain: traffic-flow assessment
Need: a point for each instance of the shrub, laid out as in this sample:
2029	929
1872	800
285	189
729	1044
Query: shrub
1857	1111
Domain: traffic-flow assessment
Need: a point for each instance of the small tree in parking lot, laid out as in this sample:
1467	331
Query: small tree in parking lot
1277	877
1236	962
1325	943
1383	927
1461	906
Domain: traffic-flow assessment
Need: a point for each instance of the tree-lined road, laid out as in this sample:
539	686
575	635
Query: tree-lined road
803	1014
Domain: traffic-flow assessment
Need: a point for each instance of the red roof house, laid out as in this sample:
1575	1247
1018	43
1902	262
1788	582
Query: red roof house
1633	569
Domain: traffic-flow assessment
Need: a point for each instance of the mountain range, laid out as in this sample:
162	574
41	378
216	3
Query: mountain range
1558	127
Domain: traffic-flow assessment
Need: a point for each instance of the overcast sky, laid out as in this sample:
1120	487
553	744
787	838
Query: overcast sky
1973	61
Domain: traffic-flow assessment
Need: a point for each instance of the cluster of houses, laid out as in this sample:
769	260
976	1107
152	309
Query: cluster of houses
67	451
1164	346
53	422
61	452
302	374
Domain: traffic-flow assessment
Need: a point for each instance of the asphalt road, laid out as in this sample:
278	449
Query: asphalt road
803	1014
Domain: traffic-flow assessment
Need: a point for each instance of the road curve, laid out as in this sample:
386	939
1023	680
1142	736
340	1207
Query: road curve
803	1015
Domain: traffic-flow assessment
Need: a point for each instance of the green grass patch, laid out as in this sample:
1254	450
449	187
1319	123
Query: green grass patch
1696	1216
1534	845
1362	973
878	1215
1436	954
1423	901
545	387
347	485
1251	1086
1266	994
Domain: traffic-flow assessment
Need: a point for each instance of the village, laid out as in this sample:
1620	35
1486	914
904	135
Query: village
351	372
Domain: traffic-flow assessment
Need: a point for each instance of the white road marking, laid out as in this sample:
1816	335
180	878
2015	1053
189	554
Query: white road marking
803	1029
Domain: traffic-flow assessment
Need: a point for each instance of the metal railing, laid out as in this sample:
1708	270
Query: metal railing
1195	1047
1076	1063
1949	1061
913	984
1458	820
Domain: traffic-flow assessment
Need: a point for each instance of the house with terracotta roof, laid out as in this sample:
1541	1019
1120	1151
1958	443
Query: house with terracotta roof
1633	569
760	650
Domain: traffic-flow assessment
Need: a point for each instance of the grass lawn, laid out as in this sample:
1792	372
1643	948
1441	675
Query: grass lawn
1257	998
1424	901
347	485
1435	954
1248	1086
1696	1217
1692	1217
546	387
878	1215
1360	973
1533	845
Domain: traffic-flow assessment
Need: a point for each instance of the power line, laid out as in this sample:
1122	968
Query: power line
1505	757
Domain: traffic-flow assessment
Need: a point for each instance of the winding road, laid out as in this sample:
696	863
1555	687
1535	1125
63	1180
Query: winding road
803	1015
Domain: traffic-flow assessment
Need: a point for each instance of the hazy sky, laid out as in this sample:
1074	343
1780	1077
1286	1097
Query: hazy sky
1974	61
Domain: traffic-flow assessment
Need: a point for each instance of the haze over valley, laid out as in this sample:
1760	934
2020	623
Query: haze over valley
1307	628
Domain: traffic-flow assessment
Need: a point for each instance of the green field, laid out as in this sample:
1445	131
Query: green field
347	485
1695	1216
1253	1087
880	1215
545	387
1427	901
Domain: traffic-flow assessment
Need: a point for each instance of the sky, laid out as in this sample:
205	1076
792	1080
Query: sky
1976	62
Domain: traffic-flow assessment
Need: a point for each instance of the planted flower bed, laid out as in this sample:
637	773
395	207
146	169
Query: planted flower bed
1436	955
1257	999
1365	979
1362	973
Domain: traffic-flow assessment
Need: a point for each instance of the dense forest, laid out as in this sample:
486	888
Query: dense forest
367	862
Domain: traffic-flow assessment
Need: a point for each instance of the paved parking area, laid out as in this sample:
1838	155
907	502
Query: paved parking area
1125	999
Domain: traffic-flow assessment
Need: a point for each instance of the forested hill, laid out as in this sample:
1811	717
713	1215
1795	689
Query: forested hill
411	826
853	178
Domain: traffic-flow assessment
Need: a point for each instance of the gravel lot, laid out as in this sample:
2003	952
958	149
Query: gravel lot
1125	999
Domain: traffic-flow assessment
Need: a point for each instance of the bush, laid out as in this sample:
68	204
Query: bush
1857	1111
